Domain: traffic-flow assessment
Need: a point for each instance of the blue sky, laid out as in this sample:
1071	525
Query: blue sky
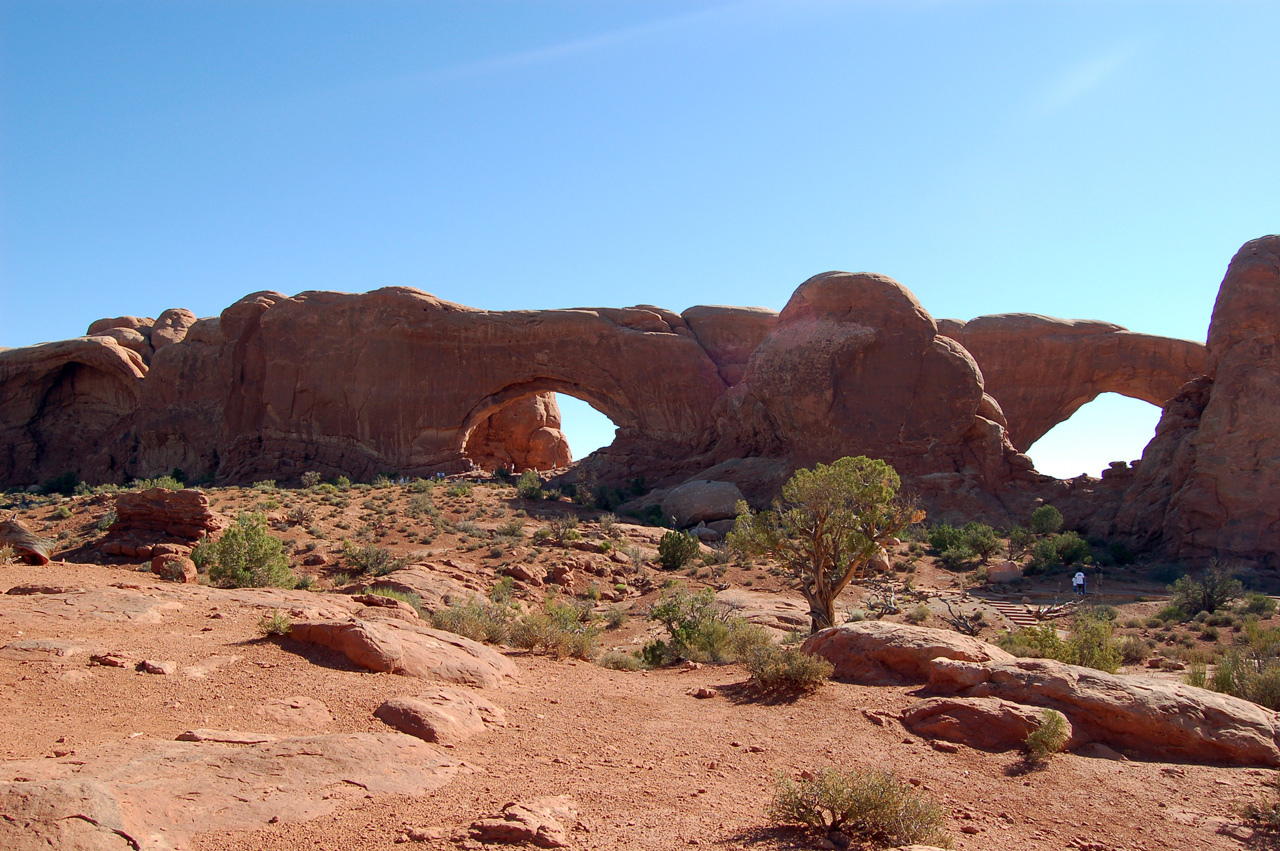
1078	159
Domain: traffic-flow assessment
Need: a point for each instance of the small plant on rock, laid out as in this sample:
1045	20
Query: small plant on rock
276	623
1049	738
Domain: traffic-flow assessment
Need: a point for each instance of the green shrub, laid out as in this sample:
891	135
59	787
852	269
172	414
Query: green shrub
563	528
918	615
1049	738
310	479
957	557
619	661
1120	554
409	597
1214	588
1045	520
276	623
166	482
64	484
869	805
559	630
1091	644
981	539
62	512
1072	549
474	619
1258	604
1019	539
944	536
371	559
792	671
246	556
529	485
458	490
1133	650
265	486
676	549
342	483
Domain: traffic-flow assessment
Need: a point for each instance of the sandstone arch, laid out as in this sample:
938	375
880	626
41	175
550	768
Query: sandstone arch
395	379
1041	369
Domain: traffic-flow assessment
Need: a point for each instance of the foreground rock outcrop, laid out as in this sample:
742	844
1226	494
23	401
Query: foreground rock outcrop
148	793
1150	718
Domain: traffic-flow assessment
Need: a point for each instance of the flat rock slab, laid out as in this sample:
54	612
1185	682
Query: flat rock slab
301	712
443	716
409	649
434	584
226	737
544	822
109	604
45	648
771	611
153	794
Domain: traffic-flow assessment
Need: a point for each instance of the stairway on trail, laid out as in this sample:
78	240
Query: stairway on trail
1015	613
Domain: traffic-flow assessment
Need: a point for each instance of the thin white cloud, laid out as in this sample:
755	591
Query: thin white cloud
1081	79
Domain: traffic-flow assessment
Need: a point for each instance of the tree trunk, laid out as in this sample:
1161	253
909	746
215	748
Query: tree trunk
822	614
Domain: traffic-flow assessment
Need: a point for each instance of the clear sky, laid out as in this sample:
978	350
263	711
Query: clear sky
1080	159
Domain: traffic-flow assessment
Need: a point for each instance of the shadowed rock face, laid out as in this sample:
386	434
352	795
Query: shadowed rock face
397	380
1041	369
1208	482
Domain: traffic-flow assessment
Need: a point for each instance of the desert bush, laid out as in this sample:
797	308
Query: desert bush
700	629
1091	644
371	559
1049	738
944	536
563	528
619	661
676	549
409	597
276	623
474	619
300	514
785	670
64	484
6	554
1133	650
1251	670
529	485
1264	813
1045	520
246	555
459	489
1019	539
870	805
608	525
1258	604
1215	587
1067	548
502	589
615	617
310	479
62	512
560	630
1120	553
918	615
166	482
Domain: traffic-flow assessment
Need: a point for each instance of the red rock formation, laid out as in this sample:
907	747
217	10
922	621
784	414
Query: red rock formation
730	334
522	435
1041	369
159	514
1208	484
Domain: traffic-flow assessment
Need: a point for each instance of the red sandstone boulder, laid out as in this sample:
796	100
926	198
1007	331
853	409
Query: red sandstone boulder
522	435
410	650
175	568
1153	718
442	716
161	514
701	502
884	653
171	327
543	822
986	723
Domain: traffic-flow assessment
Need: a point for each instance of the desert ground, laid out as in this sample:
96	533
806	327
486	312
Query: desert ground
685	755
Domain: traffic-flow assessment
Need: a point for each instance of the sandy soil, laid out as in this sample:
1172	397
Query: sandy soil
650	765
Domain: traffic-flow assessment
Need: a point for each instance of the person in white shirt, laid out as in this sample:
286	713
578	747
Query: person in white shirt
1078	583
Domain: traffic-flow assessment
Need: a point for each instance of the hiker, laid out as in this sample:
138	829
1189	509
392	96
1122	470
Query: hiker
1078	583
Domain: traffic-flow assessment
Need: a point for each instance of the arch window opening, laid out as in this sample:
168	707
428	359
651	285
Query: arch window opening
1109	428
539	431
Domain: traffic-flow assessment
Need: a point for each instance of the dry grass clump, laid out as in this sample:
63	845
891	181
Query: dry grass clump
869	805
781	671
